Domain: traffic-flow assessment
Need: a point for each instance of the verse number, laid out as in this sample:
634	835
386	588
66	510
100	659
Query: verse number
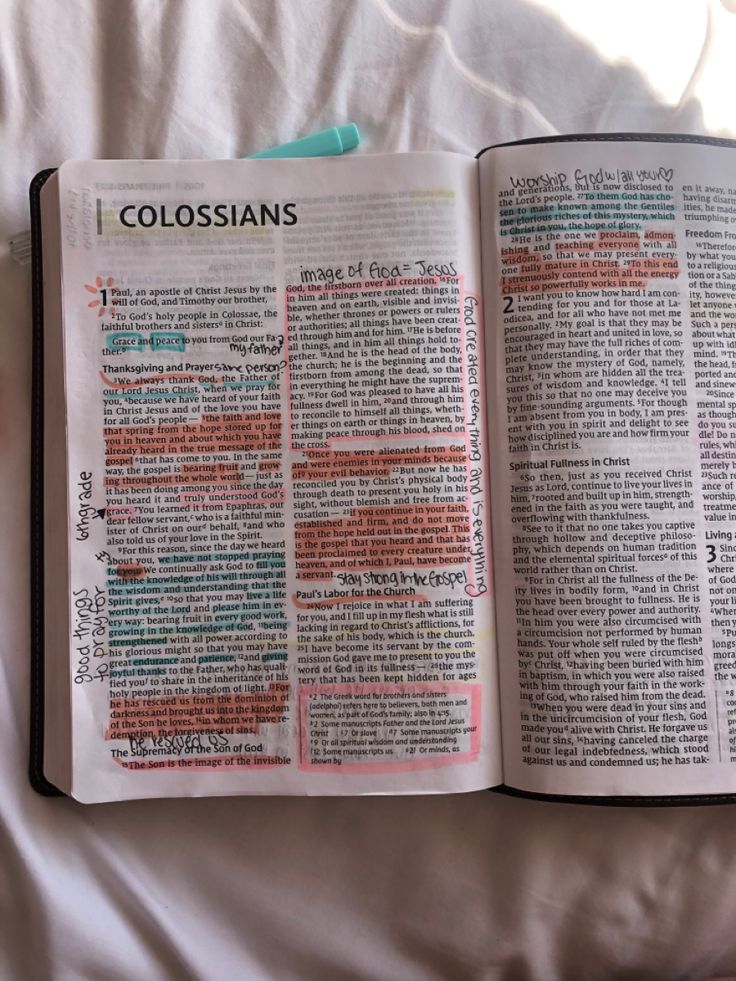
508	304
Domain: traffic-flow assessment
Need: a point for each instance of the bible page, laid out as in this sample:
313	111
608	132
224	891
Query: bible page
279	513
610	271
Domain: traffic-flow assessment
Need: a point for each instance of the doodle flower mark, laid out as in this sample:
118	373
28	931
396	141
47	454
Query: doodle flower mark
104	290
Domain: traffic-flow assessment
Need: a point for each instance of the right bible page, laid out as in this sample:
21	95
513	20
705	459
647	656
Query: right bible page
609	277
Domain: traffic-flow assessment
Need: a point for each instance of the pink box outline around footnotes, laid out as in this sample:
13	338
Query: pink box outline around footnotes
473	691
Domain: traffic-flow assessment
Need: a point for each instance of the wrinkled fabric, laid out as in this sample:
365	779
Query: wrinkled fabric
467	887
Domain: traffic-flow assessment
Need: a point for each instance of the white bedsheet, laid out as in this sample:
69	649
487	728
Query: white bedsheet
473	887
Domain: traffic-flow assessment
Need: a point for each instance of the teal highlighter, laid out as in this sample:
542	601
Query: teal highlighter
327	143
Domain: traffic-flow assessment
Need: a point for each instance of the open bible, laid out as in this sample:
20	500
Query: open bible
388	474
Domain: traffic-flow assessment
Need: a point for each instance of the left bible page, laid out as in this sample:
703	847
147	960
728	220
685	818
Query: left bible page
276	478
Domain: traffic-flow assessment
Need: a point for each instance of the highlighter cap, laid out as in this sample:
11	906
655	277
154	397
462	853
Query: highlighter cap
349	135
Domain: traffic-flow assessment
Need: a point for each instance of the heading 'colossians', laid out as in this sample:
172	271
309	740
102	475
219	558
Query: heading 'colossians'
206	215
